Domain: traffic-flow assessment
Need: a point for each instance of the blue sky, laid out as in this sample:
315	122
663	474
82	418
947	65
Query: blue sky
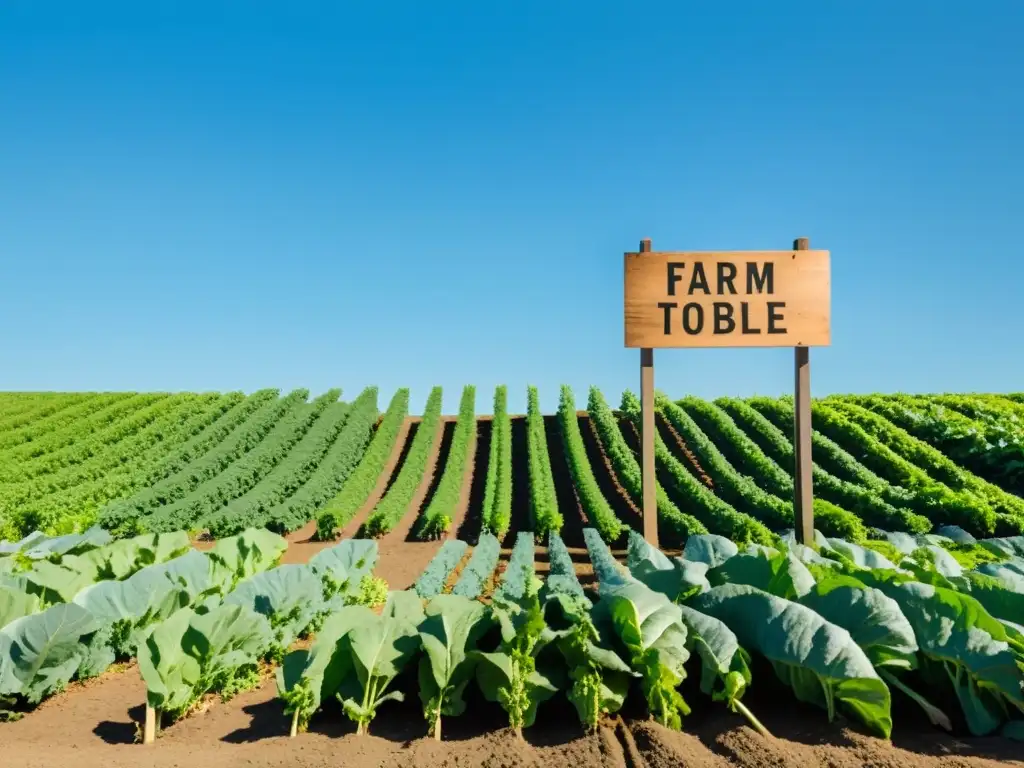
214	195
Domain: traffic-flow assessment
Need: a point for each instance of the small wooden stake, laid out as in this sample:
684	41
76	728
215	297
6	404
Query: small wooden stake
647	427
152	718
803	471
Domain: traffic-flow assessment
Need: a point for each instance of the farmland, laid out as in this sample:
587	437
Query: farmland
494	558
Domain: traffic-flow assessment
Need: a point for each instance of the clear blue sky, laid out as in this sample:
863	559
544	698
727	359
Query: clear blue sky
213	195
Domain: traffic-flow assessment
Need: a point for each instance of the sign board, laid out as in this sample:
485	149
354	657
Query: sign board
728	299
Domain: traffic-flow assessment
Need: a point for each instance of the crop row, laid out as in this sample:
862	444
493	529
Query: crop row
94	445
361	482
844	626
595	506
225	463
674	526
741	490
20	460
544	514
715	514
192	511
497	510
105	456
867	502
251	508
75	507
32	412
185	477
395	505
437	518
52	431
331	474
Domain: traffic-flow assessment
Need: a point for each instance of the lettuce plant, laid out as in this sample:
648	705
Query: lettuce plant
510	674
450	632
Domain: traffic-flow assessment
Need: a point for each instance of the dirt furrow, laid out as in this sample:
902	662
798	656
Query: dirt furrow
403	442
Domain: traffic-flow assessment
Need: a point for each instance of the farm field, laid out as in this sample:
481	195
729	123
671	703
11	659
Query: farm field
214	554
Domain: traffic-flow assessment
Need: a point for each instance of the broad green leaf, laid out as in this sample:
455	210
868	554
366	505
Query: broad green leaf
343	566
308	676
238	557
169	673
40	653
966	644
1011	546
709	548
290	596
449	633
676	578
782	574
818	659
861	556
14	604
54	583
651	630
879	627
380	648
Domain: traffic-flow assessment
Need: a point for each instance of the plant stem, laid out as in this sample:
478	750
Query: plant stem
437	725
757	725
295	723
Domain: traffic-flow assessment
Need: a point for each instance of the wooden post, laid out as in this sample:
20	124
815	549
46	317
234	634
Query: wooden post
151	726
647	433
803	502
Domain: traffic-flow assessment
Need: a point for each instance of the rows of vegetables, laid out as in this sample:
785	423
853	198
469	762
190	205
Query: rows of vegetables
199	623
155	463
932	618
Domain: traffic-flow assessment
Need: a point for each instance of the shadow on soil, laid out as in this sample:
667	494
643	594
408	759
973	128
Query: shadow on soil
520	518
414	428
565	491
469	531
444	451
403	722
122	732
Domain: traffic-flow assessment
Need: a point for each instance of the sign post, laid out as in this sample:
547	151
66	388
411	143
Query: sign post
648	478
729	299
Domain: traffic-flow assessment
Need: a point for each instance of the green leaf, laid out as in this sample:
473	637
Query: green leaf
14	604
380	648
965	645
780	574
169	673
818	659
676	578
344	565
306	677
651	629
511	675
290	596
449	633
709	548
41	652
879	627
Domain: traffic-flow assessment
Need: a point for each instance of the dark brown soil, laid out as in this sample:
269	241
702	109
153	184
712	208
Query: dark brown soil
403	442
95	725
469	529
462	506
403	530
444	449
573	516
521	518
681	450
621	503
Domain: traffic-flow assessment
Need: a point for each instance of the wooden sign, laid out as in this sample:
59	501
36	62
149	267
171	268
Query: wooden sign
728	299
